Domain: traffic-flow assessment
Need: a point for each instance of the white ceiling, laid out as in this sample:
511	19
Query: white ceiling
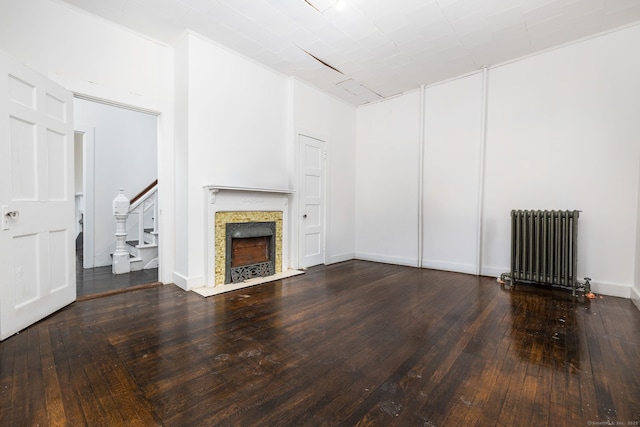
373	48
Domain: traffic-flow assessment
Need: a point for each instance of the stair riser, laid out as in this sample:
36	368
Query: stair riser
146	254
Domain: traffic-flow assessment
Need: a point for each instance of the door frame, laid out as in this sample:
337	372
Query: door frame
88	183
89	169
299	227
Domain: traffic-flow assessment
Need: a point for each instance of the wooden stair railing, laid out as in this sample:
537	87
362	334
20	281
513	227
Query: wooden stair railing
143	192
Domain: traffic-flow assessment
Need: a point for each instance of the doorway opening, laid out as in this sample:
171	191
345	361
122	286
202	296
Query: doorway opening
116	148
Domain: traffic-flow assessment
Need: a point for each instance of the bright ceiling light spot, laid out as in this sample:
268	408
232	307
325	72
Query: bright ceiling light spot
340	5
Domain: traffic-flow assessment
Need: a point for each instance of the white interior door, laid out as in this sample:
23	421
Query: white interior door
37	266
311	192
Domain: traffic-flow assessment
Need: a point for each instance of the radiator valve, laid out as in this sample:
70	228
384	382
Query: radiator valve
587	285
504	277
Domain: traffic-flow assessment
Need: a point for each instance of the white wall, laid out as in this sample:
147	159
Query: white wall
562	133
181	159
386	215
65	44
237	119
236	135
324	117
451	173
94	57
125	147
237	127
225	105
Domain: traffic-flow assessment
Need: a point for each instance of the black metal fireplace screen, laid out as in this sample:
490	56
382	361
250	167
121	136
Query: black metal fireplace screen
250	250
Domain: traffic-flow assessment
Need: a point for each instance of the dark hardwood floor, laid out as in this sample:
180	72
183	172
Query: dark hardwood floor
100	281
351	344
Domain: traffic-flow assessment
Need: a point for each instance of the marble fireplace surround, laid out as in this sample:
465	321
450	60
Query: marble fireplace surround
243	202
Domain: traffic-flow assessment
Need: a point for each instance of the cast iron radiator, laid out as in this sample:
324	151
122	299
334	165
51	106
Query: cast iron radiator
544	247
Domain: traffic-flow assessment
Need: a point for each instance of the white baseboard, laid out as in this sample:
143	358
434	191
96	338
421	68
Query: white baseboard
493	271
610	289
449	266
188	283
635	297
180	280
410	262
334	259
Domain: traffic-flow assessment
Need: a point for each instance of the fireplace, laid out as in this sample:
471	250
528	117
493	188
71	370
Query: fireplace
250	250
235	205
248	244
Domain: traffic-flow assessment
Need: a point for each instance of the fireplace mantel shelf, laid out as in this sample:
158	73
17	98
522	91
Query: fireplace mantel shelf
214	190
260	190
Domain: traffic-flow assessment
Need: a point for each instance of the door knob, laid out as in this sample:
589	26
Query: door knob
7	215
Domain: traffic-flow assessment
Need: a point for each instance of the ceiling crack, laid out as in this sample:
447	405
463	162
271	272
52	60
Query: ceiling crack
321	61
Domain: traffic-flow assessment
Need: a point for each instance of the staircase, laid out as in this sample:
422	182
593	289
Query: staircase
144	255
136	219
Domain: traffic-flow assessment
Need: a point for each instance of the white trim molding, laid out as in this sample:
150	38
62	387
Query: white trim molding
635	297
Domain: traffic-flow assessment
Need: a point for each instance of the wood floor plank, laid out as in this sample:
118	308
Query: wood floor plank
493	389
583	396
35	378
20	390
64	366
458	366
477	393
355	343
86	386
53	396
599	380
8	376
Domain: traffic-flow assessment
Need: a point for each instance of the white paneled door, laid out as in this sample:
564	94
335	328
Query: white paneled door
312	170
37	265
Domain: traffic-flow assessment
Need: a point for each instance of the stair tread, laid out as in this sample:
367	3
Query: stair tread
135	244
132	258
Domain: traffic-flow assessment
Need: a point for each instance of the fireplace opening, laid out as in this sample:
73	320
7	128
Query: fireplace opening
250	250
